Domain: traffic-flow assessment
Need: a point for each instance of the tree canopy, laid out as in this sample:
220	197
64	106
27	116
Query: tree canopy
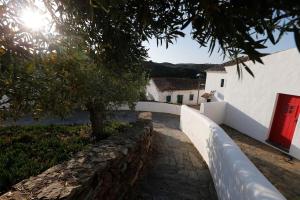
235	26
94	57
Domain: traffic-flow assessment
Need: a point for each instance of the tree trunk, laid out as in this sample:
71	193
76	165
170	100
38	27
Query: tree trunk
97	121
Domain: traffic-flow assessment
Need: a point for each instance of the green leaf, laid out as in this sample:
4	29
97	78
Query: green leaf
178	33
186	23
248	69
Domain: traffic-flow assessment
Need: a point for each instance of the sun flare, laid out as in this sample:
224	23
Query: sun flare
33	19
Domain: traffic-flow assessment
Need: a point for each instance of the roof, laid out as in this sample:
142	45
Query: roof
233	61
221	67
169	84
207	95
217	68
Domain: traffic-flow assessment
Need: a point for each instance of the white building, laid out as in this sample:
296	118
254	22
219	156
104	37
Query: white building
215	82
265	107
175	90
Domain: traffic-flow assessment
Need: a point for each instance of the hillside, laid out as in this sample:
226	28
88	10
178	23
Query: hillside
185	70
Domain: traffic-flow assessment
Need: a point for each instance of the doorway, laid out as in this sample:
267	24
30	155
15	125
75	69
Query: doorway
179	99
285	121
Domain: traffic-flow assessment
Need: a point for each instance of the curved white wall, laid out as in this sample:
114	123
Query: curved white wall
235	177
155	107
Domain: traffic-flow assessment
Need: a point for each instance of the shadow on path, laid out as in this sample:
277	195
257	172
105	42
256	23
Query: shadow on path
175	169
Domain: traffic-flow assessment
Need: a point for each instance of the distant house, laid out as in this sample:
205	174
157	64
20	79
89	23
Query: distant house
265	107
175	90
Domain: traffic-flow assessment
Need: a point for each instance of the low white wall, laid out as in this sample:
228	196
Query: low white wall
155	107
235	177
214	110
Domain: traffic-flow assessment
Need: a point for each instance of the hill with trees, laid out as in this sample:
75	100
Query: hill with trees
181	70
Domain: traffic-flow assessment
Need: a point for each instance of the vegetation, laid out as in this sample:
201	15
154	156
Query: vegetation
177	70
72	70
29	150
108	67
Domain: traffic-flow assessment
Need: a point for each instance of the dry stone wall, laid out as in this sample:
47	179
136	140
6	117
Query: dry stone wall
106	170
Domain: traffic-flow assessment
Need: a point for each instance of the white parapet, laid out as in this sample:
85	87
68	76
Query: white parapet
214	110
155	107
234	175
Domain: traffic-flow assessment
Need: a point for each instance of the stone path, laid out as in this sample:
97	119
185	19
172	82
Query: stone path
282	171
175	170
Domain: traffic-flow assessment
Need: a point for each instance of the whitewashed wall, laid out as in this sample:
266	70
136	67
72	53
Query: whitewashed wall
152	92
251	101
235	177
186	96
214	111
213	82
155	107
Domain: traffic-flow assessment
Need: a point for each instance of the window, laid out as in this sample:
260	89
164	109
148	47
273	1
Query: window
191	97
168	98
222	82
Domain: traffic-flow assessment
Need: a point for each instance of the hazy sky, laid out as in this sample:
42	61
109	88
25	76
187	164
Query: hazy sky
187	50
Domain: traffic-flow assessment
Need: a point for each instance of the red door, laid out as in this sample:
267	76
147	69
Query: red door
285	120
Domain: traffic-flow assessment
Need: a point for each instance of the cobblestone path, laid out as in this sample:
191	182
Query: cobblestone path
175	170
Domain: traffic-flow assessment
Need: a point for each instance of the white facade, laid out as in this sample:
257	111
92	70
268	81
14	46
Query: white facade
153	93
213	83
251	102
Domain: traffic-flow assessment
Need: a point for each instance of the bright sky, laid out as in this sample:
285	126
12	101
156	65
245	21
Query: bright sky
187	50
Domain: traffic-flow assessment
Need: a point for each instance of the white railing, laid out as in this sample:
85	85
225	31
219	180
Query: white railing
235	176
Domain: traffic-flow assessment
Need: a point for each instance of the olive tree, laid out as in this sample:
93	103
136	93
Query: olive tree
69	70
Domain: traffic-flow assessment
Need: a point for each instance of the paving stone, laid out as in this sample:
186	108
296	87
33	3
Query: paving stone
175	169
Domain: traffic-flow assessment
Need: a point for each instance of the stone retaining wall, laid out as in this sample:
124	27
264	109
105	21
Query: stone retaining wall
106	170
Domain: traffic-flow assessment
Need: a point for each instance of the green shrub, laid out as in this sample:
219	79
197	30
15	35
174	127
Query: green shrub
113	127
29	150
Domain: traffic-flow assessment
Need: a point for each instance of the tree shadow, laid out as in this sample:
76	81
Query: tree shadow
166	120
170	173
